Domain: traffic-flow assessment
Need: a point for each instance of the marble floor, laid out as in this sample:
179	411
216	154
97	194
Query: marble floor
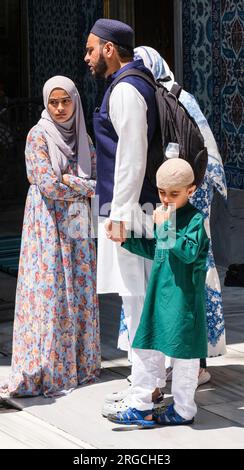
220	419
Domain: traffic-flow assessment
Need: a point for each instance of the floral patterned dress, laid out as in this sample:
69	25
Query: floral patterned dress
56	342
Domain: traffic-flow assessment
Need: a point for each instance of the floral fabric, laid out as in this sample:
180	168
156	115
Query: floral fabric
56	343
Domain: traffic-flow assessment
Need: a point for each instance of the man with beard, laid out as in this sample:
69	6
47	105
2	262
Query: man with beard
123	134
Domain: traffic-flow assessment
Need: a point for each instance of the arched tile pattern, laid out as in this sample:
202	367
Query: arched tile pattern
213	40
58	32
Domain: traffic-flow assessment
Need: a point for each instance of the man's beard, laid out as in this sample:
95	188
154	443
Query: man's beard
101	67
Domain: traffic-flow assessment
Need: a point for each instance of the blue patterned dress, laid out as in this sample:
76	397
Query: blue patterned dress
214	180
56	342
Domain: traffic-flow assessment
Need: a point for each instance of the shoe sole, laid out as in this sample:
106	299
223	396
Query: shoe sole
190	421
157	406
140	423
202	383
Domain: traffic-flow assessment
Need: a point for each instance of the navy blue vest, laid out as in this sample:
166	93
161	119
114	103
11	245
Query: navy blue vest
107	139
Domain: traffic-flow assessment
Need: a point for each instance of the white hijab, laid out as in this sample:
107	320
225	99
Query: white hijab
66	141
154	62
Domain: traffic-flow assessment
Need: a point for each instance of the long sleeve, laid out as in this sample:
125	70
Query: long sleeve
140	246
40	172
128	113
83	186
188	243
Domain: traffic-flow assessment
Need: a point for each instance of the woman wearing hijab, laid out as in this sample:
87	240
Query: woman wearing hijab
56	344
214	181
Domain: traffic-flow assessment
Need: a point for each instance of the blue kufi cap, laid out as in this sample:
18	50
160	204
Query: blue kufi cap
114	31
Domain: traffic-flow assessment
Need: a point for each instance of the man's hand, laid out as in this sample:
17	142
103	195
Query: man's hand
115	231
161	214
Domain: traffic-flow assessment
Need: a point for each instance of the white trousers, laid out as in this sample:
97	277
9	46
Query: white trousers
133	309
148	365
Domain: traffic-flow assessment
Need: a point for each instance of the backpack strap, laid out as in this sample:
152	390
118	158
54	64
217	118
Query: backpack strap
129	73
176	90
165	79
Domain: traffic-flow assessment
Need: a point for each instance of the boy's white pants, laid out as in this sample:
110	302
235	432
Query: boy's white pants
148	365
133	306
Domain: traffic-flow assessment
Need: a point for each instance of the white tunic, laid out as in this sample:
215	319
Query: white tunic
119	271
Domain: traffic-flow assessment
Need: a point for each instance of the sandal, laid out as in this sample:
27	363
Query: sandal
170	417
132	416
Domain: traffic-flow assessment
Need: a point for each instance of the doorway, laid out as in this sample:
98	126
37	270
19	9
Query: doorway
154	26
16	109
13	49
158	24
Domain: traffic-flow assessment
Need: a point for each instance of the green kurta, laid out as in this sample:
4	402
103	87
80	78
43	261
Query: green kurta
174	319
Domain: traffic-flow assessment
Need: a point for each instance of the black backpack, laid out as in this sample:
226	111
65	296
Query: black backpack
174	125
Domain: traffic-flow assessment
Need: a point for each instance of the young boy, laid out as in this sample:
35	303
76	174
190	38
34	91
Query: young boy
173	320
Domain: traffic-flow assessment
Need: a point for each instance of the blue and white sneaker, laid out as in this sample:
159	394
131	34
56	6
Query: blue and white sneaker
118	406
170	417
132	416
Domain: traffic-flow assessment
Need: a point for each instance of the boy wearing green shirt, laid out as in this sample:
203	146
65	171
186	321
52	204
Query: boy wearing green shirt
173	320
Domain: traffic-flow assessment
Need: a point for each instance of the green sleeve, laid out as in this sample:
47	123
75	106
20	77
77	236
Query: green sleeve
189	243
140	246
